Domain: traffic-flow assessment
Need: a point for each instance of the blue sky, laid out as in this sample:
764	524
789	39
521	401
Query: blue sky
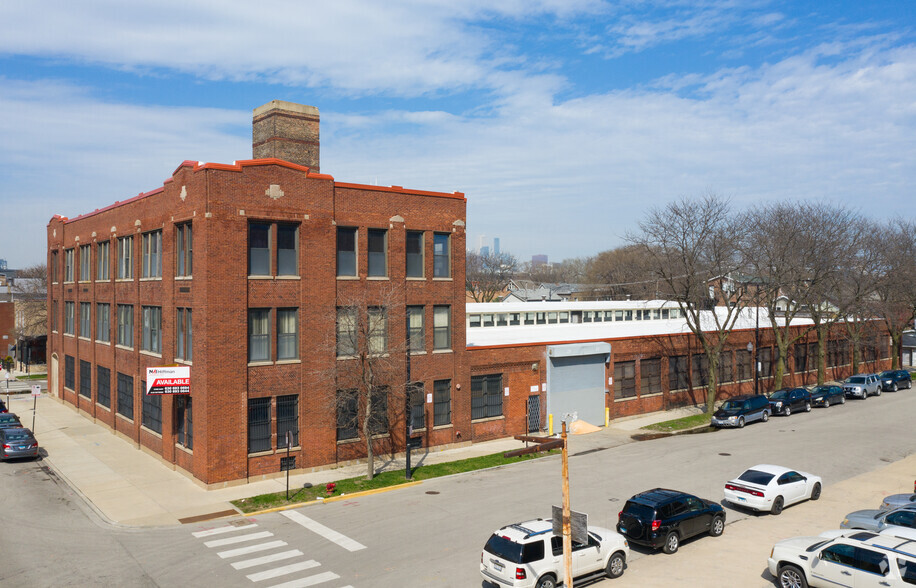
561	120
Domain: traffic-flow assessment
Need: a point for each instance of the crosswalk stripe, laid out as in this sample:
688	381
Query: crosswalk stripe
251	549
242	539
221	530
329	534
310	581
248	563
283	570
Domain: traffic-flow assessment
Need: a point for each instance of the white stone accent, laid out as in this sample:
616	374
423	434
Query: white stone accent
274	192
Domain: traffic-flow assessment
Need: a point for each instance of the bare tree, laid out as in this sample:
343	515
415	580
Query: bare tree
29	290
694	246
487	275
369	377
624	271
895	285
572	270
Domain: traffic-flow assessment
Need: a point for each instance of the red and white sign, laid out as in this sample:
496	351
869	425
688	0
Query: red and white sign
168	380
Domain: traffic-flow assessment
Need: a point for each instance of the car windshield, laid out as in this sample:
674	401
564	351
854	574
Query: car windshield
779	395
821	390
856	380
887	374
504	548
733	405
756	477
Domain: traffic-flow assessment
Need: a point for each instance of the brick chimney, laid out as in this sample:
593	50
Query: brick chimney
287	131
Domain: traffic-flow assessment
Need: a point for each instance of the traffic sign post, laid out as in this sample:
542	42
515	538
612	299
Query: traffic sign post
8	377
36	392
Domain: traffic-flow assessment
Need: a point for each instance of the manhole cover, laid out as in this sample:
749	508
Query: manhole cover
726	454
432	491
612	499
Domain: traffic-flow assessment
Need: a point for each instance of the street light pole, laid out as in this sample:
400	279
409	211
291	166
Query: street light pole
757	350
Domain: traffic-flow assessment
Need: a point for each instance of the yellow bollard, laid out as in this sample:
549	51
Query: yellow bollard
607	417
550	424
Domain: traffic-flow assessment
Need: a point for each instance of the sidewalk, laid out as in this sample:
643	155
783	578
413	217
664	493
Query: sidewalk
128	486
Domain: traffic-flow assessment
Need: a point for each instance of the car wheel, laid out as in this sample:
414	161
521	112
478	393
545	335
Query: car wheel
843	400
909	384
894	387
777	506
826	403
672	542
816	491
547	581
717	526
791	577
787	411
766	416
740	422
807	407
615	566
878	393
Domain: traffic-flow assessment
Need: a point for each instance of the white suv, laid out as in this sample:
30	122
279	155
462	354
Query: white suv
862	386
844	558
529	554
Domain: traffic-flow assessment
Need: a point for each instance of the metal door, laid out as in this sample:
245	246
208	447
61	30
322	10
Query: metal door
534	413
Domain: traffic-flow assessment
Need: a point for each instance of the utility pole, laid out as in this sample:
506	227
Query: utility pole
567	531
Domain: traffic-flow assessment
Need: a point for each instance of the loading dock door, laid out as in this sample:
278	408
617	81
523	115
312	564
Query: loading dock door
576	381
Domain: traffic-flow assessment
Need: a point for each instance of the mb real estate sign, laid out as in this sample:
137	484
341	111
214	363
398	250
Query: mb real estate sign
168	380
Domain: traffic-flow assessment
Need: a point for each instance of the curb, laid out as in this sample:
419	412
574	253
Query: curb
332	499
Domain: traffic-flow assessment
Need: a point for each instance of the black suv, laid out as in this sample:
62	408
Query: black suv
663	518
892	380
786	400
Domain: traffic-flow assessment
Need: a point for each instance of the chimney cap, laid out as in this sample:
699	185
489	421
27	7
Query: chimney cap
288	106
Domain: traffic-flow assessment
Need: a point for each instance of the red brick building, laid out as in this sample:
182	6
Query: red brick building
240	271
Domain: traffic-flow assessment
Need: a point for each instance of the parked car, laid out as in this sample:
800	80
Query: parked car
827	395
786	400
771	488
878	520
530	554
17	442
893	380
861	386
855	558
895	500
3	407
663	518
8	419
737	411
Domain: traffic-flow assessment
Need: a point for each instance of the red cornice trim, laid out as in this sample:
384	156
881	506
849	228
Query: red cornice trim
400	190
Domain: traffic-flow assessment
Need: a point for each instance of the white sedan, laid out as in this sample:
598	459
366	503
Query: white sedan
771	487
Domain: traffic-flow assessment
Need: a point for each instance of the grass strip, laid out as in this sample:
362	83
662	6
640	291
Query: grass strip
680	424
381	480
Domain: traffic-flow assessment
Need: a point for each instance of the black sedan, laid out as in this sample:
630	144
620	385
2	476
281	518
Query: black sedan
787	400
827	395
893	380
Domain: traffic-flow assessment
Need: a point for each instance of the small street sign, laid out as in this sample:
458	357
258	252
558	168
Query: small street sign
36	390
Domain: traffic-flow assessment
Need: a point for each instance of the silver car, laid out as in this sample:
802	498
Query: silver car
17	442
862	386
878	520
896	500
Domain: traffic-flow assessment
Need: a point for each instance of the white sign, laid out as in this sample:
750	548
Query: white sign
507	390
168	380
36	390
429	398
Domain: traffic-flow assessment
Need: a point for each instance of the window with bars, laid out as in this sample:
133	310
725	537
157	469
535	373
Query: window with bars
417	406
800	351
258	334
103	386
378	415
486	396
287	420
414	254
85	379
152	329
347	415
744	366
725	367
103	322
677	373
184	342
700	370
125	258
86	320
287	333
442	402
258	425
415	325
184	422
102	260
85	263
650	375
152	410
125	325
766	362
151	255
184	243
126	396
624	379
70	372
377	260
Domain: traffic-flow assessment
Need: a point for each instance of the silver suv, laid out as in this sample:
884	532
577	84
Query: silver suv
529	554
862	386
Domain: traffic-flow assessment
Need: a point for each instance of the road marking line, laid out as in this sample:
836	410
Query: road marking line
283	570
220	530
241	565
310	581
251	549
329	534
242	539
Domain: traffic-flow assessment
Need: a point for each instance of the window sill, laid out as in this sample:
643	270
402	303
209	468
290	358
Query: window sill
124	347
260	278
183	361
340	357
183	279
124	280
100	342
347	277
416	278
291	449
259	363
442	351
184	449
261	453
150	431
449	279
651	395
151	279
69	389
84	282
347	441
103	407
488	419
288	361
377	278
124	418
289	277
626	399
441	427
85	339
418	353
69	335
55	331
151	353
